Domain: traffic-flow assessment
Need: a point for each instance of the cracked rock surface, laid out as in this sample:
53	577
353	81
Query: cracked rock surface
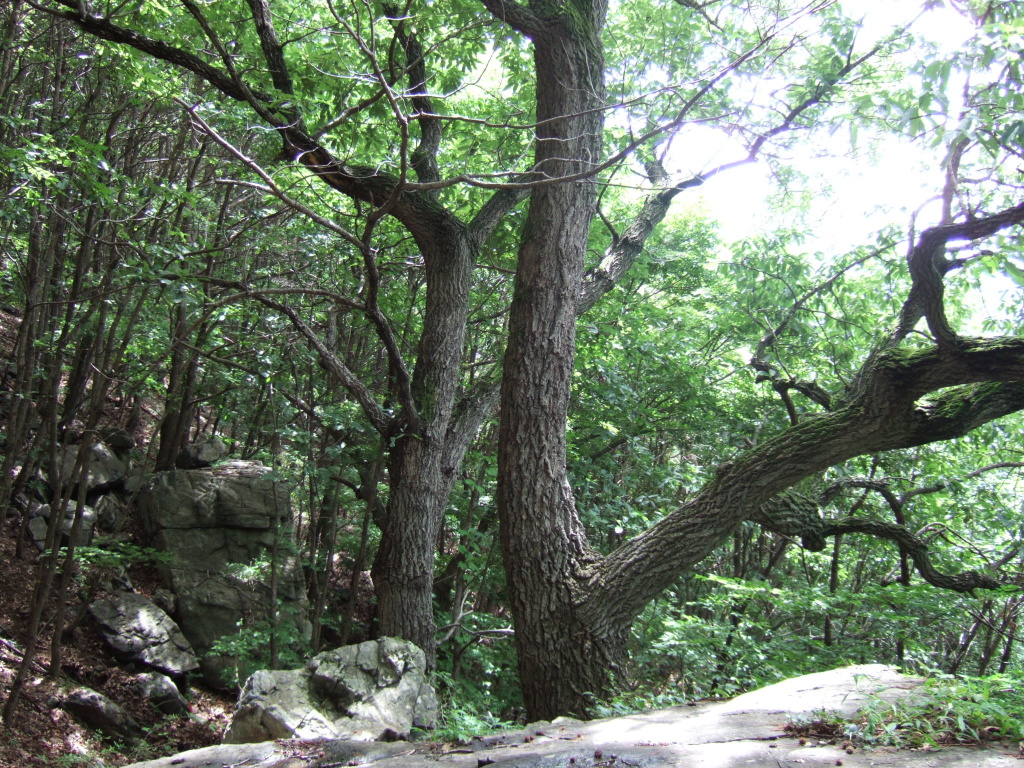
139	630
744	732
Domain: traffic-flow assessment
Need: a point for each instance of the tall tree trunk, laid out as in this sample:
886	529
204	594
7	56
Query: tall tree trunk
420	478
543	542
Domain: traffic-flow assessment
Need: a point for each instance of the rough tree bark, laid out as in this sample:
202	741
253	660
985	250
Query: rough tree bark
543	542
573	611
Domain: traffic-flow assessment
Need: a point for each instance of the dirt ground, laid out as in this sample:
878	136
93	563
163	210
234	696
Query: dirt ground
44	736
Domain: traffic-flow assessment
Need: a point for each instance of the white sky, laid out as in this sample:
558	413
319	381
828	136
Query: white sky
865	195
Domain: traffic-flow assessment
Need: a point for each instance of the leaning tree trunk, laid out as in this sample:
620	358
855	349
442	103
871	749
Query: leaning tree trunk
543	541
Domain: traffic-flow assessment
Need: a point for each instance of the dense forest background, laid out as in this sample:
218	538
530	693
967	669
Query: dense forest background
170	268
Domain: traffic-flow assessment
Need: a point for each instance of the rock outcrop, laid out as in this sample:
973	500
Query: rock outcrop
223	525
106	468
160	691
39	516
375	690
201	453
746	732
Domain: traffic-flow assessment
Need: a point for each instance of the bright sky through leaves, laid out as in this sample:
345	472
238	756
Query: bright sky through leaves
874	191
850	193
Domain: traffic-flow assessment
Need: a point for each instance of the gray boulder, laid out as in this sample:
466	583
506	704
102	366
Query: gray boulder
201	453
161	692
376	690
100	713
137	629
121	441
39	517
278	705
379	682
217	522
106	468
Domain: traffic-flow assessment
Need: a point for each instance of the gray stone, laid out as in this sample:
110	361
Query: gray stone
40	514
162	693
214	521
115	580
377	685
277	705
166	601
100	713
427	709
746	732
106	468
284	754
120	441
371	691
201	453
110	514
137	629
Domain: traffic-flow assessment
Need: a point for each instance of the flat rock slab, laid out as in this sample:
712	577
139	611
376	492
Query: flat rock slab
742	733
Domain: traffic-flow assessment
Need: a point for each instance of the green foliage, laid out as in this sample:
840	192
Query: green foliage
120	554
468	710
946	711
249	649
131	204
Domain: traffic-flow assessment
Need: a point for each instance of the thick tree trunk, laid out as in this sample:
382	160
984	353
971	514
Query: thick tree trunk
544	546
403	572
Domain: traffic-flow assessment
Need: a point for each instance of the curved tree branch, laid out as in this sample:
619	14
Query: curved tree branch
918	551
928	266
883	413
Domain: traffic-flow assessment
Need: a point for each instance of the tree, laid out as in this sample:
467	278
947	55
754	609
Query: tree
573	608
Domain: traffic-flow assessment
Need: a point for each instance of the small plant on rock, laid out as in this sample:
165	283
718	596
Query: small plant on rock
947	711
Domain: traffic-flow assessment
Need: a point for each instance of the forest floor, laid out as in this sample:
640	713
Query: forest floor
44	736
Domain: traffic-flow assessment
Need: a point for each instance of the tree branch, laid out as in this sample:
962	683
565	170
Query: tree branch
104	29
492	212
478	405
359	391
928	266
957	411
273	52
918	551
515	15
419	213
982	382
768	372
424	157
